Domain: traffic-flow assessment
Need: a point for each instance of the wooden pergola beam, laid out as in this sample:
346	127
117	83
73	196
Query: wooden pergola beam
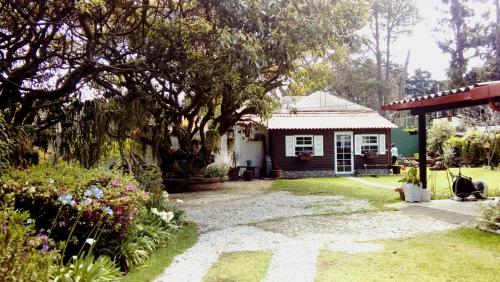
479	94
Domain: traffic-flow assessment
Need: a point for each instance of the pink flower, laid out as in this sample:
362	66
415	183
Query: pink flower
130	187
115	182
119	210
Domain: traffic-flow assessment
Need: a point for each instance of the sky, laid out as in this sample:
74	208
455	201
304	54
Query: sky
425	53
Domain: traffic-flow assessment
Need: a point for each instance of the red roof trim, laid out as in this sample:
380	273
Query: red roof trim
476	93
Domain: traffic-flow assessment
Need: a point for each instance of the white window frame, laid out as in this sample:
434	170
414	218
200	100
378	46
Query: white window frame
370	144
303	145
351	134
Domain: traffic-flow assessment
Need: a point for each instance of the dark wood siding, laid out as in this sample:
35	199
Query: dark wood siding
277	142
326	162
380	160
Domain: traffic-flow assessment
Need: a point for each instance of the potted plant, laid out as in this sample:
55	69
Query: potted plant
411	188
234	171
277	173
305	155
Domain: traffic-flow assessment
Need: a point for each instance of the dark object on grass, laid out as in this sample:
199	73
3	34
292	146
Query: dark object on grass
463	187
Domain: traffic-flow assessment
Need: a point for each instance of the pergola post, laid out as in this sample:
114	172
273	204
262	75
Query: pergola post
422	150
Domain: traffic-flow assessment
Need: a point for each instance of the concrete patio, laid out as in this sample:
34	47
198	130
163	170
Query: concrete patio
455	212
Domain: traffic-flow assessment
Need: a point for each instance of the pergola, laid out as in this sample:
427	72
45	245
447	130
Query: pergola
477	94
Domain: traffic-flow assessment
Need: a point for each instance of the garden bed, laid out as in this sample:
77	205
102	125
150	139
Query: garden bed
180	185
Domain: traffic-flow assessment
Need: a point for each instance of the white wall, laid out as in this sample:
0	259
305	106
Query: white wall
223	158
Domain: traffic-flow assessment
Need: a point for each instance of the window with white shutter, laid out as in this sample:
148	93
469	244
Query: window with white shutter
357	144
318	145
290	146
296	145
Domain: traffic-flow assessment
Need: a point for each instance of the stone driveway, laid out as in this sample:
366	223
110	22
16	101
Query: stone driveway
245	216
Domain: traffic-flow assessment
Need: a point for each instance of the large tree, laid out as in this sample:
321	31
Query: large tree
161	68
50	49
389	19
464	41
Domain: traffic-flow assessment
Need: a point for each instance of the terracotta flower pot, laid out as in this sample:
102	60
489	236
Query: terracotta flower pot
277	173
305	158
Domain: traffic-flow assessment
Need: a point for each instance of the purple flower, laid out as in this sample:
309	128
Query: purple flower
94	191
130	187
115	182
108	210
4	226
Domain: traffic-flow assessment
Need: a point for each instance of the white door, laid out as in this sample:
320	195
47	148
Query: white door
344	162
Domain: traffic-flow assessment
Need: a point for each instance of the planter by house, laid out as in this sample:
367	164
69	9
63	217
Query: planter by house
304	157
233	173
396	169
413	193
248	175
277	173
371	155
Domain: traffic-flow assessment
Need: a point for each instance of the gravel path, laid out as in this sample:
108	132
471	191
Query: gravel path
293	228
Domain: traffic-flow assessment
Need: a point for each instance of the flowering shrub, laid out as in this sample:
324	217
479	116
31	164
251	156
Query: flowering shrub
59	196
24	255
153	228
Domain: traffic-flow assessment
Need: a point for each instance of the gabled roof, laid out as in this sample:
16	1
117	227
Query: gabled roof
321	101
321	110
329	120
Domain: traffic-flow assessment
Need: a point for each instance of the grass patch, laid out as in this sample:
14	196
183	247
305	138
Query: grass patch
239	266
156	264
491	177
339	186
459	255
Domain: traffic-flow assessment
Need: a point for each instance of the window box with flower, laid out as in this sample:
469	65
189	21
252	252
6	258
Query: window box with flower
370	154
305	155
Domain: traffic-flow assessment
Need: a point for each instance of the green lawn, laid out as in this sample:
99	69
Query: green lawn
239	266
156	264
337	186
459	255
491	177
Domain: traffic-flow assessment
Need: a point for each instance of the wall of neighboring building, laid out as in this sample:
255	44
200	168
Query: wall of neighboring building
223	158
406	142
324	165
245	147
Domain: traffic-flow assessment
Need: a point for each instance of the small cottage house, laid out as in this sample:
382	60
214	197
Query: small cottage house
324	135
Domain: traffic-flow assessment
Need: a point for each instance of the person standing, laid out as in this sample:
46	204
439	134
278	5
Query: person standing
394	154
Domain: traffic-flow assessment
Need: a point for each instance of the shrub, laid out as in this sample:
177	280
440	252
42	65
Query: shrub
150	178
5	145
216	171
439	132
152	228
86	269
489	218
59	196
23	255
